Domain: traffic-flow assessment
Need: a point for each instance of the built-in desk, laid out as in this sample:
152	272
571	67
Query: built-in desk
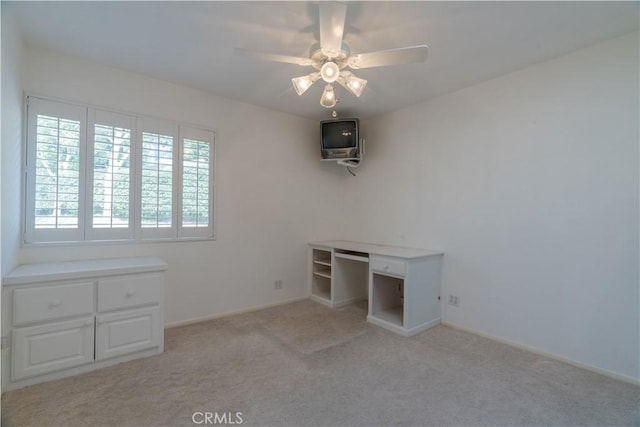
401	284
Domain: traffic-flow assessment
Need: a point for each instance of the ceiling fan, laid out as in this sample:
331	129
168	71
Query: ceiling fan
331	57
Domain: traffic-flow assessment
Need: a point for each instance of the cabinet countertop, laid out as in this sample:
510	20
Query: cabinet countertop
375	249
45	272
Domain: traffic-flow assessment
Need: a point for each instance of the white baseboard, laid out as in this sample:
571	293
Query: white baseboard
231	313
346	302
601	371
321	300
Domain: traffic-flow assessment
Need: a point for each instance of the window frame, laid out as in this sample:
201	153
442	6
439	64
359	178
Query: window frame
86	234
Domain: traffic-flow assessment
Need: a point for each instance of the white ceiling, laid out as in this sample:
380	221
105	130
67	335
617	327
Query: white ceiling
192	43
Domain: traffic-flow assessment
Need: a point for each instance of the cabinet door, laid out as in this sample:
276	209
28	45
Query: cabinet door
127	332
46	348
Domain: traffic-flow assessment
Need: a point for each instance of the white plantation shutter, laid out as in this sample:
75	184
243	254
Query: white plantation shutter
110	212
157	179
96	175
55	171
196	167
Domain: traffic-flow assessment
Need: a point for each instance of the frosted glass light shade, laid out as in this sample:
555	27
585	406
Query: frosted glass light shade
301	84
330	72
356	85
328	98
353	84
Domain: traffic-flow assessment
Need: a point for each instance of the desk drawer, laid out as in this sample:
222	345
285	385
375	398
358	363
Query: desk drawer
52	302
130	291
388	266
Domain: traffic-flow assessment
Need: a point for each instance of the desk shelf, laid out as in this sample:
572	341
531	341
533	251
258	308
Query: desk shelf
393	315
323	273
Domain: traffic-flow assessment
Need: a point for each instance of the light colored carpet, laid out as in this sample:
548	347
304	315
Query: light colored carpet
303	364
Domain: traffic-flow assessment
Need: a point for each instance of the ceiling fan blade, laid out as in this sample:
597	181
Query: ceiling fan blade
403	55
273	57
332	17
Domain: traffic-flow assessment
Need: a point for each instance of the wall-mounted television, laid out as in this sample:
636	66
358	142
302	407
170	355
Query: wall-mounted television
339	139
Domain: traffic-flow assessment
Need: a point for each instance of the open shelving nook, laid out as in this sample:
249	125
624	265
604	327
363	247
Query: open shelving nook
338	277
321	275
387	303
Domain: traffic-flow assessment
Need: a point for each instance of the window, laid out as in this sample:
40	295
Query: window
197	168
55	168
96	175
158	178
110	175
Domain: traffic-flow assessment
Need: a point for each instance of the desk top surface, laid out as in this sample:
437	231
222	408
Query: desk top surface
375	249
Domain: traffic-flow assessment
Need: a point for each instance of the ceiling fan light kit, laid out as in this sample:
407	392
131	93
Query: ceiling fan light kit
301	84
331	56
329	72
328	98
353	84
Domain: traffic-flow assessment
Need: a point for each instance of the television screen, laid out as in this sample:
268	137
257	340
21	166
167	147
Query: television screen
339	134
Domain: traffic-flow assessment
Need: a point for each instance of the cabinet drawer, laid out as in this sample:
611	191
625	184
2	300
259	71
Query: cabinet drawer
52	302
129	291
389	266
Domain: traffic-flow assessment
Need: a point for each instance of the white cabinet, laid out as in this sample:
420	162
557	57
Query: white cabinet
66	318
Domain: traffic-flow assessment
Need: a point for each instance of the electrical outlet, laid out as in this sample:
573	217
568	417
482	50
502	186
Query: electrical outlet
4	343
454	300
277	284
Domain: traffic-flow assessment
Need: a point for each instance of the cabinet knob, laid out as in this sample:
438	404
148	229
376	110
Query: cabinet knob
130	293
88	323
54	303
100	320
386	267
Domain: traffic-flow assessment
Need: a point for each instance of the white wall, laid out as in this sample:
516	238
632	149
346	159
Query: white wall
11	148
11	140
273	194
529	183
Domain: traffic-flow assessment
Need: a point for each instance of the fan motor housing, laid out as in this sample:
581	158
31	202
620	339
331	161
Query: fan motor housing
319	58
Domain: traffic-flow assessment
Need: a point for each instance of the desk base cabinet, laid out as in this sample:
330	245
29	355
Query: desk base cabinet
84	319
405	294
